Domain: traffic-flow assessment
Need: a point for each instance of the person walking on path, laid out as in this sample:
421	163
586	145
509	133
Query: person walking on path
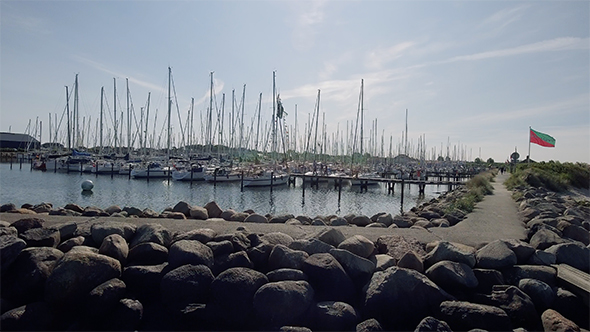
494	218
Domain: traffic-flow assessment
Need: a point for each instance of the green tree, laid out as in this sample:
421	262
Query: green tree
490	161
478	160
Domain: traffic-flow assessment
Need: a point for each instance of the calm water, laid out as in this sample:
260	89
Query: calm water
21	186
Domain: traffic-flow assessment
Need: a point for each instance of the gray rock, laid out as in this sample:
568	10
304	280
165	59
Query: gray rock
202	235
401	222
146	213
113	209
452	275
407	293
74	207
147	253
69	244
213	209
104	297
334	316
360	221
186	284
76	274
369	325
487	279
226	215
151	233
273	238
383	262
283	257
338	222
517	305
41	237
182	207
282	303
236	259
545	238
7	207
36	316
143	281
281	219
10	248
23	225
448	251
547	274
126	316
328	278
286	274
359	269
239	216
331	236
540	293
521	249
573	254
221	248
197	212
66	230
311	246
577	233
101	230
9	230
463	316
411	260
432	324
256	218
115	246
189	252
495	255
386	219
358	245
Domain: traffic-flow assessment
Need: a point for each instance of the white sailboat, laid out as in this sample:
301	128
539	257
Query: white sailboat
194	172
266	178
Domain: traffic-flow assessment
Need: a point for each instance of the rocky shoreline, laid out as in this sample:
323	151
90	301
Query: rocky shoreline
115	275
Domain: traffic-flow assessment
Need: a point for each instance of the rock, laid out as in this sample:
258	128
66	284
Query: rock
182	207
432	324
186	284
36	316
101	230
93	211
541	257
23	225
147	253
338	222
213	209
239	216
554	321
143	281
146	213
83	249
451	252
9	230
25	281
577	233
126	316
74	207
573	254
521	249
495	255
486	279
359	269
331	236
517	305
240	241
400	222
386	219
41	237
283	257
572	307
277	238
115	246
360	221
7	207
319	222
173	215
113	209
358	245
226	214
151	233
43	208
333	316
10	248
69	244
411	260
407	293
540	293
286	274
190	252
75	275
221	248
282	303
281	219
66	230
544	239
547	274
383	262
104	297
197	212
369	325
202	235
463	316
236	259
452	275
256	218
311	246
22	211
329	279
232	296
259	256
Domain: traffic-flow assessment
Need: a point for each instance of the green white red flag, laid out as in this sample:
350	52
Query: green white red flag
542	139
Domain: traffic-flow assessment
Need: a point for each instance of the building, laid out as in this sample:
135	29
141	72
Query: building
18	141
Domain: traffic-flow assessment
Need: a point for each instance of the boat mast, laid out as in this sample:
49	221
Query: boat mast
258	125
101	110
128	119
115	109
362	115
210	116
76	115
68	116
169	111
274	109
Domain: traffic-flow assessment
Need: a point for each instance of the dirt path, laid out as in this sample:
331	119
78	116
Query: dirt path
496	217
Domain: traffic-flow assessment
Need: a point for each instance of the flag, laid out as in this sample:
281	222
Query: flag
542	139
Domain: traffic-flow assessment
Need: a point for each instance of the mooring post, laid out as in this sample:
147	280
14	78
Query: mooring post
272	178
242	182
129	172
21	162
215	177
113	169
402	197
31	165
55	164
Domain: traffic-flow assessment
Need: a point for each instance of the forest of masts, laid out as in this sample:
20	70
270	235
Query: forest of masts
225	129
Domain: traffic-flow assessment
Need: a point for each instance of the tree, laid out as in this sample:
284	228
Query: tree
478	160
490	161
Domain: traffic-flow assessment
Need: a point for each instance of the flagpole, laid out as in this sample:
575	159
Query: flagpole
529	156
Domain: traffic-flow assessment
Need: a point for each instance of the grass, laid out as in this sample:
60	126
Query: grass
552	175
479	186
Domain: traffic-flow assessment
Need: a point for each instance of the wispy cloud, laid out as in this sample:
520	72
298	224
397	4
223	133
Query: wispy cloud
311	15
332	66
379	57
503	18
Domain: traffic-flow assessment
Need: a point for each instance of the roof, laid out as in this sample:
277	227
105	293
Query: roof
14	137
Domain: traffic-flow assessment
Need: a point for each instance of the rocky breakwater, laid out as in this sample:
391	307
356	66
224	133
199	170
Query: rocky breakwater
115	275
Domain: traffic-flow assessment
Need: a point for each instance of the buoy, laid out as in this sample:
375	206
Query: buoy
87	185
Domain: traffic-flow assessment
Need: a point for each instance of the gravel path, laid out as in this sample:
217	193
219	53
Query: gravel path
496	217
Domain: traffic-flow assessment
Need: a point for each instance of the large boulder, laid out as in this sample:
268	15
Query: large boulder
36	316
143	281
286	274
545	238
432	324
115	246
448	251
186	284
311	246
101	230
213	210
104	297
463	316
540	293
41	237
329	279
452	275
75	275
274	238
358	268
554	321
333	316
358	245
408	294
283	257
282	303
147	253
331	236
10	248
546	274
203	235
495	255
189	252
152	233
573	254
411	260
182	207
517	305
23	225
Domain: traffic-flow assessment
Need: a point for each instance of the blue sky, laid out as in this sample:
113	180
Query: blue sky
476	74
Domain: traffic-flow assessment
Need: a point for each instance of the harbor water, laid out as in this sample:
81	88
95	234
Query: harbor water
21	185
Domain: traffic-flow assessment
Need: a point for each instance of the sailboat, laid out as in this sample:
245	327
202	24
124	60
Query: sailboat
188	172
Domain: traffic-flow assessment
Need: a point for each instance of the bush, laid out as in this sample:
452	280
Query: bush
478	186
552	175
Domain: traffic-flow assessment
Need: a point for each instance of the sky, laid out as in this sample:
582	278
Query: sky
472	75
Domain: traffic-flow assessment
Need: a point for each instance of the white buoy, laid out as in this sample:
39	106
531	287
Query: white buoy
87	185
